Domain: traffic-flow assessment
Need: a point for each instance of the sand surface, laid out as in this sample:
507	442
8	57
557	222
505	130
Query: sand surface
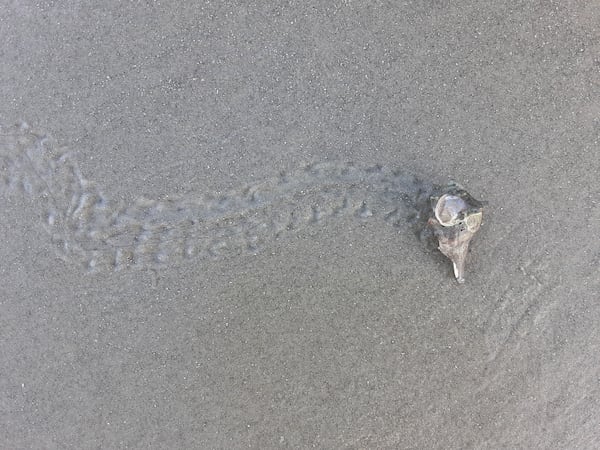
178	268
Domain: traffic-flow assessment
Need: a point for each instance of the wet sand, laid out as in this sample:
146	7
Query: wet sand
341	332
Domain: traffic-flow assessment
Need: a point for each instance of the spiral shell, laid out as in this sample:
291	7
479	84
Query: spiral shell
455	218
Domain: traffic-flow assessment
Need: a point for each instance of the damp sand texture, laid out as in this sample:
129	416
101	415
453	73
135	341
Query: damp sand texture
164	285
93	231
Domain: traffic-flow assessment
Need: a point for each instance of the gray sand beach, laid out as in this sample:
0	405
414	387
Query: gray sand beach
204	244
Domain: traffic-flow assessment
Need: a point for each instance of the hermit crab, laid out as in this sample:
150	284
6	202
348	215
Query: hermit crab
453	217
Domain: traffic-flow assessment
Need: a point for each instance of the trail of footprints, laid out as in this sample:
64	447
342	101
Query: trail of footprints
101	234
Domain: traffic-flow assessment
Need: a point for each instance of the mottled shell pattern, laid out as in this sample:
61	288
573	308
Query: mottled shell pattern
454	219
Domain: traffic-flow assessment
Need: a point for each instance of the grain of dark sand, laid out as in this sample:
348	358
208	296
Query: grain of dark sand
350	334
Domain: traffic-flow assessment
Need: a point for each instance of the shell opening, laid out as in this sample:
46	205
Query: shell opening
449	210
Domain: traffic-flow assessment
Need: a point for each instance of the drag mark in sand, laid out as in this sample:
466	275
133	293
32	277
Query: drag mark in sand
98	233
